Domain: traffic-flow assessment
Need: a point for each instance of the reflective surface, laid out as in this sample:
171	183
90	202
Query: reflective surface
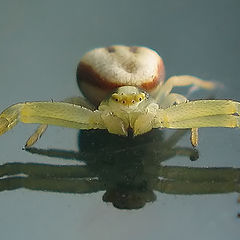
128	170
83	185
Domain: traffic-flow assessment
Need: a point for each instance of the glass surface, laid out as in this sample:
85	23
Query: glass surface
93	185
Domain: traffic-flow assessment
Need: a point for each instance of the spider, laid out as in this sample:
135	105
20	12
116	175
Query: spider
126	84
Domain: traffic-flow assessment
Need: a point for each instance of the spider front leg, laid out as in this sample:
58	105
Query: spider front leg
201	113
54	113
43	127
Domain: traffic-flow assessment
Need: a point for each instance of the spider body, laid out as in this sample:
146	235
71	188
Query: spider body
126	84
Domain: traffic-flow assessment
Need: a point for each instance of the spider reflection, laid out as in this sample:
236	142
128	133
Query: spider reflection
129	170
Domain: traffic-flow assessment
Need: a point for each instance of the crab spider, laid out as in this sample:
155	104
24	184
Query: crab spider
141	100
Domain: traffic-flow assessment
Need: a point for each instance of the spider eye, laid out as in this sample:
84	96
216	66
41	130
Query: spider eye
116	97
140	97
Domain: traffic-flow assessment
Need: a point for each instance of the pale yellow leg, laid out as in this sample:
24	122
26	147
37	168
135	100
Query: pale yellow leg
201	113
194	137
174	98
9	118
55	113
229	121
36	135
183	80
43	127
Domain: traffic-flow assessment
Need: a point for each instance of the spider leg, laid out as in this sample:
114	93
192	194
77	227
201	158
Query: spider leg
183	80
54	113
194	137
201	113
174	98
43	127
36	135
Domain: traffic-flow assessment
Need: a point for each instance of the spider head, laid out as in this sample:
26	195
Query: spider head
128	96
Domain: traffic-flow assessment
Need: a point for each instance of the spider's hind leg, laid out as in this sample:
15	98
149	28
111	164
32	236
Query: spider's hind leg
180	81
